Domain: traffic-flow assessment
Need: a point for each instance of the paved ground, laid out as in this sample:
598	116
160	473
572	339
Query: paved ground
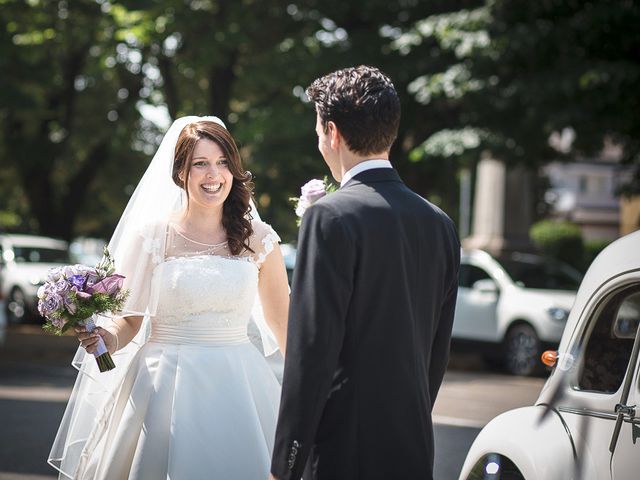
35	381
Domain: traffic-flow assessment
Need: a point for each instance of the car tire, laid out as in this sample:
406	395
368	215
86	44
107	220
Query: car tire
17	306
522	350
501	465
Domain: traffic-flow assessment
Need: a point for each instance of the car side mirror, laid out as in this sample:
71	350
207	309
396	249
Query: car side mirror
486	286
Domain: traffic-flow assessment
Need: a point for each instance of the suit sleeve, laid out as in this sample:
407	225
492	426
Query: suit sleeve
321	292
442	337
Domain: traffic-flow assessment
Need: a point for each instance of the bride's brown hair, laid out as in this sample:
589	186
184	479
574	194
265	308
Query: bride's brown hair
236	218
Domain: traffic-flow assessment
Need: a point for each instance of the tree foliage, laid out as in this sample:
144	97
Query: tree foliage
471	74
521	71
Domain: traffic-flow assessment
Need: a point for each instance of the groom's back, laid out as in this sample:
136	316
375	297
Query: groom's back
405	268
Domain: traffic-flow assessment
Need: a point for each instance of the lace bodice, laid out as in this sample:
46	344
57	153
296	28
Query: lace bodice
261	243
205	294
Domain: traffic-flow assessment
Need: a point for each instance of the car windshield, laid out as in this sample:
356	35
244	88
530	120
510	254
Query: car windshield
536	272
40	255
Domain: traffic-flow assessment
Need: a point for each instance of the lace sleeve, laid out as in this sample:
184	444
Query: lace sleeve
262	242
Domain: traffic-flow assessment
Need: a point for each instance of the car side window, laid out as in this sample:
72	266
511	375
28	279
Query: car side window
470	274
607	349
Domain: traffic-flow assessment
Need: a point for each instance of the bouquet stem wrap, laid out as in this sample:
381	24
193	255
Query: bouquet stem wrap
103	358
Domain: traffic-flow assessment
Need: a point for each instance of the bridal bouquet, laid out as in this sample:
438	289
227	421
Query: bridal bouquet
75	294
311	192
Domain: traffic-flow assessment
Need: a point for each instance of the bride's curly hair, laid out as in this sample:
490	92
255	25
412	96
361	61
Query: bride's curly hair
236	217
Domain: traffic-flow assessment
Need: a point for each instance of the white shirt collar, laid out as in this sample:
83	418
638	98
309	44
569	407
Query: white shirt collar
363	166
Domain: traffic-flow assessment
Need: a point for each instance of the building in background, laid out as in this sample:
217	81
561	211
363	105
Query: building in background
585	192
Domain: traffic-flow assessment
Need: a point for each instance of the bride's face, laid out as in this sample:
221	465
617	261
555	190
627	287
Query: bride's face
210	179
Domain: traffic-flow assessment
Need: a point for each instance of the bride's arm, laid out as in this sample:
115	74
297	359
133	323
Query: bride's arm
116	336
273	289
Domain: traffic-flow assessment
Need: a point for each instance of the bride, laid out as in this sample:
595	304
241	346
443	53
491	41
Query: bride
191	397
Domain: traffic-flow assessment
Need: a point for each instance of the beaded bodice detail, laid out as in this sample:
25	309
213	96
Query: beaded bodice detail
205	294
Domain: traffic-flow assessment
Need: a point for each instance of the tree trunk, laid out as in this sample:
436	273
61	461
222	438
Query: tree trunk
221	80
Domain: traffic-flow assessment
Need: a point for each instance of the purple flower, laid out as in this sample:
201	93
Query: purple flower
61	287
83	295
110	285
70	304
50	304
54	274
73	270
77	281
311	192
58	322
92	279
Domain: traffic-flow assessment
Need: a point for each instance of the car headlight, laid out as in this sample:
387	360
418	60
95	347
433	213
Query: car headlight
558	314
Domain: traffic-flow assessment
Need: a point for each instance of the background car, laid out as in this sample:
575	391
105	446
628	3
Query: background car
87	251
511	308
289	255
24	263
584	425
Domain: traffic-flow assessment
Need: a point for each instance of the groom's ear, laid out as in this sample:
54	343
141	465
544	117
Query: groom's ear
335	139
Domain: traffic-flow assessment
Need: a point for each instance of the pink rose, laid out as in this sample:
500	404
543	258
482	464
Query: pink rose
109	285
83	295
313	190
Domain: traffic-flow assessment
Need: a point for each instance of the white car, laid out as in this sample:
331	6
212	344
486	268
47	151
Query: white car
512	308
289	256
585	424
24	263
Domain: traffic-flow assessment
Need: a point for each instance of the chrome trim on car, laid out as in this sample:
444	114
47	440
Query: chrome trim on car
597	414
564	424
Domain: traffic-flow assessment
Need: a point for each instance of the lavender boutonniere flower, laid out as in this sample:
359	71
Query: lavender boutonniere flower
311	192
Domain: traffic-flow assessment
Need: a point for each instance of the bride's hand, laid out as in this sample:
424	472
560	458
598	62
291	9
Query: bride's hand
89	341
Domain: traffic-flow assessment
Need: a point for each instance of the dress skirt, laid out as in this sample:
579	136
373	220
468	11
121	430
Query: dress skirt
190	412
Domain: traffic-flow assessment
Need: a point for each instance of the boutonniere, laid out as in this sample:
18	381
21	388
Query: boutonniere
311	192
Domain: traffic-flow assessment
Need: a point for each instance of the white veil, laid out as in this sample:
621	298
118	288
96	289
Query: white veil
137	246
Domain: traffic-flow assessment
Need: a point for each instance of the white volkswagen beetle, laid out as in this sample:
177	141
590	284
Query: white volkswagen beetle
586	422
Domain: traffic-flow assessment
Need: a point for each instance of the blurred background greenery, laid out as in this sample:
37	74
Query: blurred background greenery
88	87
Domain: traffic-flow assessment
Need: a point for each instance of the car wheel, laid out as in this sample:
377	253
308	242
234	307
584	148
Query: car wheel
522	350
16	306
493	465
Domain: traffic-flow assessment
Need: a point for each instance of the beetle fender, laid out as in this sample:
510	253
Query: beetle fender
541	451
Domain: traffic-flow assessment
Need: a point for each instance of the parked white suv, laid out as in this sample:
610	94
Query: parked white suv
24	263
512	308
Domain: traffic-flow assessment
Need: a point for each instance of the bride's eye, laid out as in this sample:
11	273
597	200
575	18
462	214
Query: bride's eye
200	163
223	161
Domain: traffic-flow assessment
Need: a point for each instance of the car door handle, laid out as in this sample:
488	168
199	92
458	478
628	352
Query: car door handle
623	411
626	410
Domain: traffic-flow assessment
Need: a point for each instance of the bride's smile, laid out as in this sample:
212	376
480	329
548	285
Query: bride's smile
212	188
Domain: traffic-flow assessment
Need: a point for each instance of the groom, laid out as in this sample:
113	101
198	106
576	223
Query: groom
372	304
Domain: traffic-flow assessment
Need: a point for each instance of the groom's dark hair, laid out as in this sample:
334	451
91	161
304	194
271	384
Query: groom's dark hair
363	104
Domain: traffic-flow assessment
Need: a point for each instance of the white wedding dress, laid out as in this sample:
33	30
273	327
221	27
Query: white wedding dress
198	401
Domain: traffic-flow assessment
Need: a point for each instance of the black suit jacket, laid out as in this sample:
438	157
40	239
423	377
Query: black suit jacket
372	304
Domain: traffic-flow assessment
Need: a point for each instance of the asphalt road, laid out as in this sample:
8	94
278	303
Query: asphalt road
36	379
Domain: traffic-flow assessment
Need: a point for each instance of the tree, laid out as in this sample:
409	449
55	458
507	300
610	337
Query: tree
522	71
68	106
251	61
82	71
